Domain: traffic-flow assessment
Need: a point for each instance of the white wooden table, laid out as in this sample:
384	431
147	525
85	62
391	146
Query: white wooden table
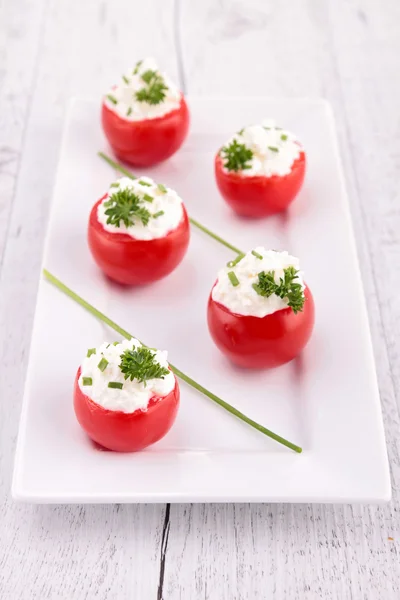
345	50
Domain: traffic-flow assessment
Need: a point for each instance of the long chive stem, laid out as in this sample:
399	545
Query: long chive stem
231	409
116	165
233	263
216	237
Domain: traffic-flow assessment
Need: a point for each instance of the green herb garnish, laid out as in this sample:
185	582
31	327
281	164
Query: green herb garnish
257	254
158	214
112	99
129	111
90	352
116	385
137	67
102	364
233	263
287	288
125	206
241	131
115	184
154	93
273	148
149	76
125	79
87	381
140	364
148	198
145	183
115	343
236	156
233	279
162	188
284	137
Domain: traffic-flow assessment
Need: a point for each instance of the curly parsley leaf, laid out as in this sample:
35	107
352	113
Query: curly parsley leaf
155	90
236	156
266	285
124	205
140	364
287	288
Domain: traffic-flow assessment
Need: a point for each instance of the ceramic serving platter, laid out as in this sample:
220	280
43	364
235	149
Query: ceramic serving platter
327	400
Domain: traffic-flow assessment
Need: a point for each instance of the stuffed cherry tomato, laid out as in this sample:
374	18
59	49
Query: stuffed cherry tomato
139	231
260	170
125	396
260	312
145	117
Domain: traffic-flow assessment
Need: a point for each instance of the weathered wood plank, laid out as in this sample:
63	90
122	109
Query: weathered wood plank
347	52
57	49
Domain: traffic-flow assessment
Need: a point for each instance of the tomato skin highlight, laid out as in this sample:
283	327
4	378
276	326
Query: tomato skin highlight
136	262
261	343
126	432
149	141
258	195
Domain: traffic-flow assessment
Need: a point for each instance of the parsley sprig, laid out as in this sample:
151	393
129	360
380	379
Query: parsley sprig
124	205
155	90
287	288
140	364
236	156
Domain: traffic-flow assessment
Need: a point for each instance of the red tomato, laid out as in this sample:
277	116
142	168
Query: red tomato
265	342
260	196
136	262
126	432
149	141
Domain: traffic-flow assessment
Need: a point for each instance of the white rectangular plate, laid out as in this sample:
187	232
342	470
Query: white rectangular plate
327	401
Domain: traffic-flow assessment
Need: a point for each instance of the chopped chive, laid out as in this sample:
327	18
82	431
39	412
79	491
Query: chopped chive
257	255
267	128
162	188
112	99
144	183
273	148
87	381
148	198
284	137
102	364
158	214
90	352
116	385
125	79
233	263
108	345
241	131
233	279
115	184
278	128
115	343
138	65
129	111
